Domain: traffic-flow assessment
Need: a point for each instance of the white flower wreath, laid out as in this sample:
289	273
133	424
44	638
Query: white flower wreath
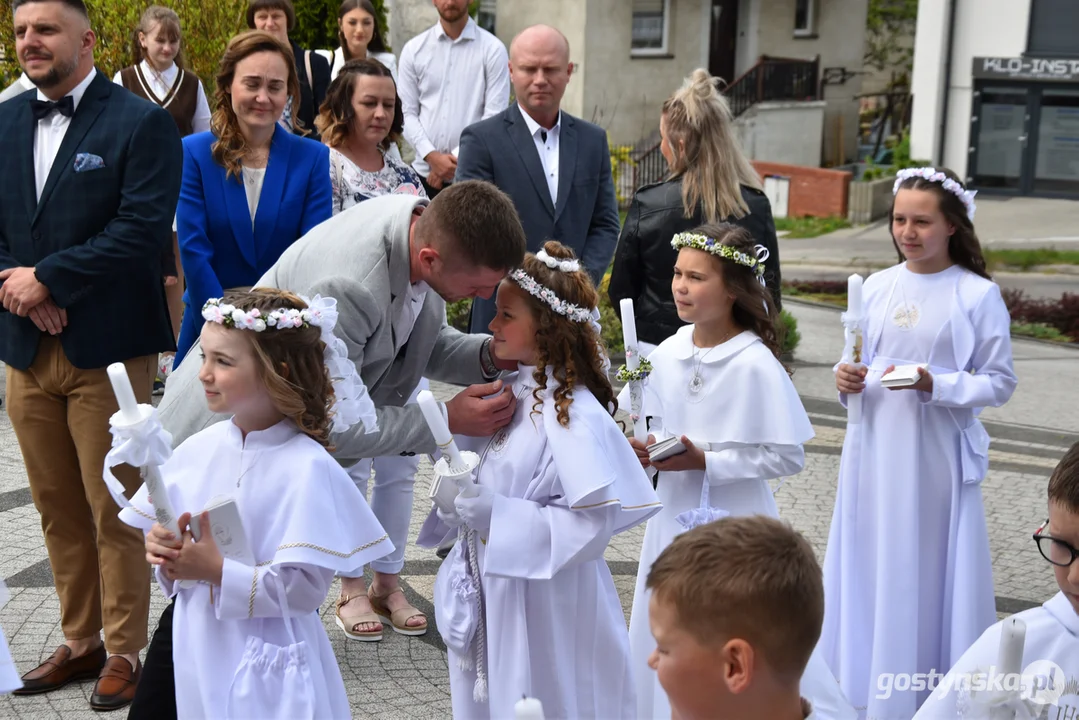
352	403
548	296
935	176
556	264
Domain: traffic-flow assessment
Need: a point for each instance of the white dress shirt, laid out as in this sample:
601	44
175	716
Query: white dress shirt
161	83
446	85
51	130
547	147
336	58
403	323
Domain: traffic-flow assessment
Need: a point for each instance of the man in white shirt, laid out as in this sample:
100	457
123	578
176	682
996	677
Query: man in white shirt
90	184
451	75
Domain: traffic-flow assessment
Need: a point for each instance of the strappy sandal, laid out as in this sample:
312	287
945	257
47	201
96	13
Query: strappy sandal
349	624
399	618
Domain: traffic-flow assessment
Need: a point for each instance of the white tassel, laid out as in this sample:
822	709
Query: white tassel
479	693
464	663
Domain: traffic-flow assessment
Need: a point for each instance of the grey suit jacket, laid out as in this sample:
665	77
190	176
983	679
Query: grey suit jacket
14	90
500	150
361	258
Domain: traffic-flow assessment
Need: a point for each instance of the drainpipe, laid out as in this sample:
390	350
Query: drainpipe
952	5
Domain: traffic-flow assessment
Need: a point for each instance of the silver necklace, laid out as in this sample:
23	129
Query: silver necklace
696	382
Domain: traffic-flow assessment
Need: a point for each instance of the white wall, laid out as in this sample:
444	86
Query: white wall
789	133
983	28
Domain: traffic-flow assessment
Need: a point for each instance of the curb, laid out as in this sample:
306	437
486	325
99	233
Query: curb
1073	346
869	266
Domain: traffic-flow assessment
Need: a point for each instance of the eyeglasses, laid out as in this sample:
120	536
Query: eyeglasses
1054	550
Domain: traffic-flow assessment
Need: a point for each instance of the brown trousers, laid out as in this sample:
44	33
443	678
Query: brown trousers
61	419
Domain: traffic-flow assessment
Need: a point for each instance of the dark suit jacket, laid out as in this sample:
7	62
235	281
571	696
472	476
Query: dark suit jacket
311	97
95	239
220	247
501	150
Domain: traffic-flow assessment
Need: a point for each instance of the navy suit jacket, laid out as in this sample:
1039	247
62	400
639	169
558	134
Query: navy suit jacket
500	150
219	248
95	238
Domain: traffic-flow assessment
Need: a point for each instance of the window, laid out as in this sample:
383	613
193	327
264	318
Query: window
485	16
650	26
803	17
1052	28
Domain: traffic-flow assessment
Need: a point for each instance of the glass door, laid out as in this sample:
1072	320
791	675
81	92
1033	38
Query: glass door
1056	165
1000	137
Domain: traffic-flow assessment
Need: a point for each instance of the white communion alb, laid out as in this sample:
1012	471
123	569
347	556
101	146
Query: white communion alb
255	646
907	575
746	415
554	626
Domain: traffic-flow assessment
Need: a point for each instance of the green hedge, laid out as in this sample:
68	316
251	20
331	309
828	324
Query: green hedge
207	27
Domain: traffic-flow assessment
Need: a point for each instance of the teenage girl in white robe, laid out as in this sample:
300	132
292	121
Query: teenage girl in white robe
555	486
719	386
907	576
247	639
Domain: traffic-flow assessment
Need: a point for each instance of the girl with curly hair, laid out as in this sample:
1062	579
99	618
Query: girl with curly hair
719	388
554	486
247	634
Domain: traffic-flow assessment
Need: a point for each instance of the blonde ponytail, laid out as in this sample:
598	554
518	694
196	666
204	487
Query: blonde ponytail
707	154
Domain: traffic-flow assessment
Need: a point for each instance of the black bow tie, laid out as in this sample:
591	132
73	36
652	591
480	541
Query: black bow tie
41	108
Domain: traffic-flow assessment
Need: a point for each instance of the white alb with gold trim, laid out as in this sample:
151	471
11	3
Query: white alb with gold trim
304	520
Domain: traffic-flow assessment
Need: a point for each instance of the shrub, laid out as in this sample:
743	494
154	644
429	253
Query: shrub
789	335
457	314
815	287
1062	314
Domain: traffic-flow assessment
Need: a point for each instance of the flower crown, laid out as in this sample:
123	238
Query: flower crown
935	176
222	313
529	284
352	403
698	241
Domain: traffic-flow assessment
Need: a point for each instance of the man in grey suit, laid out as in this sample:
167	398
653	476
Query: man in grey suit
16	88
392	263
557	168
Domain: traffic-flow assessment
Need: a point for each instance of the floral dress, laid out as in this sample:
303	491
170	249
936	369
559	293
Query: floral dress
352	184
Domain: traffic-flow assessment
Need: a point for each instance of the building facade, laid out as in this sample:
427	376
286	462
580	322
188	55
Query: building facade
996	93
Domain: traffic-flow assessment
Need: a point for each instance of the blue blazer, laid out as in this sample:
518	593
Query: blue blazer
219	248
96	236
500	150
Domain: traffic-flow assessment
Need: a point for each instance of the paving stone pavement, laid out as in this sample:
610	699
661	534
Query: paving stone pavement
406	678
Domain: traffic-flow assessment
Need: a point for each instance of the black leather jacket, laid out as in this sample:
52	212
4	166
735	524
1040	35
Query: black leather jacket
644	259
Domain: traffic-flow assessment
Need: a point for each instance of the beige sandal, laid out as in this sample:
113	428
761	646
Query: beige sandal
399	618
348	625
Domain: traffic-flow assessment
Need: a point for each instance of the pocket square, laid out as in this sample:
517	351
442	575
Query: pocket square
88	161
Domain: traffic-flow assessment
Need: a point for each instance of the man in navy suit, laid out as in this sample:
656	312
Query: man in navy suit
555	167
87	197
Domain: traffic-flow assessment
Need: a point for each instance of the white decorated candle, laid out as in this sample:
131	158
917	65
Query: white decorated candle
528	709
1013	634
441	431
629	334
854	295
125	396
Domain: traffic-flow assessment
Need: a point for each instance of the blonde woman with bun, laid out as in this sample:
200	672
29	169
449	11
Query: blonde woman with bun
710	181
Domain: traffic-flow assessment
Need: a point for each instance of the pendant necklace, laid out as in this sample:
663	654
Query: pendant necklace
696	383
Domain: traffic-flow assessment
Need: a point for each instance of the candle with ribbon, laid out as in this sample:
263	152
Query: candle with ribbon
1013	634
528	709
635	371
852	334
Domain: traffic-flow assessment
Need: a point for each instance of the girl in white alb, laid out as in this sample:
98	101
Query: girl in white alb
719	387
907	575
543	618
247	637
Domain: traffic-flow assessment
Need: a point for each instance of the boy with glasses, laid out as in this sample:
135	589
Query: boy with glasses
1050	665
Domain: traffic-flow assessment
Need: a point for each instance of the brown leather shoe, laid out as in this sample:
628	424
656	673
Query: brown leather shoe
116	684
61	669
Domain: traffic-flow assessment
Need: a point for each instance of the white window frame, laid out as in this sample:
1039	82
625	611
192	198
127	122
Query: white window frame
662	50
811	20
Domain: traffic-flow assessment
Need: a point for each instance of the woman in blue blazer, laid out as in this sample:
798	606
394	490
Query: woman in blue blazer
250	187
